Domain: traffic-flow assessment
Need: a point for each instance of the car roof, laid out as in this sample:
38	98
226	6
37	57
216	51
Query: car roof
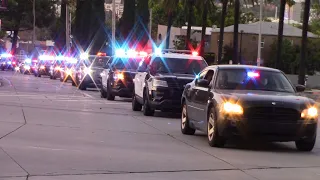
178	55
227	66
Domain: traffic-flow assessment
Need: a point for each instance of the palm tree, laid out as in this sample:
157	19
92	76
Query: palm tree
290	3
190	15
280	32
170	7
236	31
204	25
222	21
304	42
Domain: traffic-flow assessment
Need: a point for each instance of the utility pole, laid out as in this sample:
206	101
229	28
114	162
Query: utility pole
68	16
34	23
236	32
260	34
113	43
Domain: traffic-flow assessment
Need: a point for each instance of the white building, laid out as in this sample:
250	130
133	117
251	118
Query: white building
119	7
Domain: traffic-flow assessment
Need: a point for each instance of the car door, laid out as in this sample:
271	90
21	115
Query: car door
105	73
200	98
190	96
139	79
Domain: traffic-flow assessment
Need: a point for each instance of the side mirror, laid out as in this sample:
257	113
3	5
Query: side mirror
300	88
202	83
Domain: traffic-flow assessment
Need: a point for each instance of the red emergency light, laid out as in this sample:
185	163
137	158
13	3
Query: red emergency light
101	54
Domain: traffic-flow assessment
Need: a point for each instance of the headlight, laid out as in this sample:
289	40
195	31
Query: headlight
159	83
69	72
17	68
42	67
232	108
87	70
118	76
311	112
26	67
57	68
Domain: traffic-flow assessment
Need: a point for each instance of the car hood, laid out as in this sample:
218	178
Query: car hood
175	76
267	98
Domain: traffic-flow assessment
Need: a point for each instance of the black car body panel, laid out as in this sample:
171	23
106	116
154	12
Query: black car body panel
267	115
124	87
165	98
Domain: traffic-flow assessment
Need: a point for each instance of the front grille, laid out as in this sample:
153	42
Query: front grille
271	114
177	83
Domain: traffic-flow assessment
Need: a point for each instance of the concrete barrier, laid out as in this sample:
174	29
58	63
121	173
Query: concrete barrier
313	81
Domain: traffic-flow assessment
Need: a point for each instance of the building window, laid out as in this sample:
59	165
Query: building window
262	42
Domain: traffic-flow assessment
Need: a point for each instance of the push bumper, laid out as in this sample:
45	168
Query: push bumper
165	99
267	131
91	82
122	89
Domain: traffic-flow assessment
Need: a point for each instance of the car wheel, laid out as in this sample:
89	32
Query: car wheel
306	144
103	93
147	111
39	75
51	77
136	106
110	96
185	126
82	87
214	139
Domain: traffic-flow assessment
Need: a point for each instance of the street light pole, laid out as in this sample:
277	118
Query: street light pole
113	43
260	34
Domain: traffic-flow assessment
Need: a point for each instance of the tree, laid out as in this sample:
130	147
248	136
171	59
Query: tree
222	22
170	7
280	32
127	20
180	43
143	14
19	17
190	15
304	42
288	57
204	26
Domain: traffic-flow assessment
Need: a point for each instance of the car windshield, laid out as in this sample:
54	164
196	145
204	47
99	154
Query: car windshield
126	63
241	79
96	61
176	65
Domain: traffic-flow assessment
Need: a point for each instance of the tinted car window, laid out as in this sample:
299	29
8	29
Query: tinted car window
126	63
176	65
241	79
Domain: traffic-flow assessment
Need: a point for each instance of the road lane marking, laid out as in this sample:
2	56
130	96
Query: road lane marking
51	149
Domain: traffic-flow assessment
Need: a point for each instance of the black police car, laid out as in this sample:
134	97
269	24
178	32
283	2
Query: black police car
67	71
43	68
88	75
250	102
117	77
55	69
160	81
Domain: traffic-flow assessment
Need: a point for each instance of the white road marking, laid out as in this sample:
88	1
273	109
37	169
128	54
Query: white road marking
52	149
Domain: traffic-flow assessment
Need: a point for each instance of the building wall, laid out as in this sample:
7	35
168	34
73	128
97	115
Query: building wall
249	45
162	29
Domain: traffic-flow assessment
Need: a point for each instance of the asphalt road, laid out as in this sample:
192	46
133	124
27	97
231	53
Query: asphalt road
50	130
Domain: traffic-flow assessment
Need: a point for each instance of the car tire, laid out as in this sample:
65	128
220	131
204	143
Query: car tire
39	75
136	106
214	139
51	77
82	87
110	96
103	93
147	111
306	144
185	126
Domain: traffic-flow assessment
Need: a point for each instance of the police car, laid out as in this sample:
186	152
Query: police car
67	71
119	72
88	74
160	80
44	66
7	62
55	69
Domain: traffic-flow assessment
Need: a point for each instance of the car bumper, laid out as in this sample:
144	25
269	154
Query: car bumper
90	82
122	89
165	99
268	131
43	72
